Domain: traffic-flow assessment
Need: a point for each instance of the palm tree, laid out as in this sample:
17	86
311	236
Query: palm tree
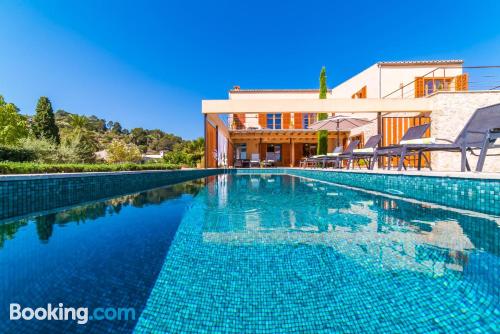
78	123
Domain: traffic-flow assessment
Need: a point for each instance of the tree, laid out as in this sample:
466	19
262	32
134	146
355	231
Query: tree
44	123
13	126
116	128
119	151
78	123
322	134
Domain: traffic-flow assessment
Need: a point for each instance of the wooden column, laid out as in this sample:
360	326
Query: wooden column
292	153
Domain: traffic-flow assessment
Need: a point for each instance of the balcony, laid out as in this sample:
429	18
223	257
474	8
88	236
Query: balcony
473	78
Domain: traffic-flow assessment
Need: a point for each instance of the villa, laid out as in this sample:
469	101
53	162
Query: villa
394	96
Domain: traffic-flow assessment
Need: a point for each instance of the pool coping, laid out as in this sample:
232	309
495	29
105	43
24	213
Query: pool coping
23	177
458	175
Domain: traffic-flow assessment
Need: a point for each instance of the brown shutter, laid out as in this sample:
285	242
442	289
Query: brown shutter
285	155
363	93
262	120
286	120
462	82
297	120
419	87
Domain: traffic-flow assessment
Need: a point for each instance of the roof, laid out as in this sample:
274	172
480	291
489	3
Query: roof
263	91
421	62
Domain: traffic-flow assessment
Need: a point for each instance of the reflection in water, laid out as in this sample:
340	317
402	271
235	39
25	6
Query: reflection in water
90	212
374	230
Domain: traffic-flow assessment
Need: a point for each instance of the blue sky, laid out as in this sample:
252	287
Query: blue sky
150	63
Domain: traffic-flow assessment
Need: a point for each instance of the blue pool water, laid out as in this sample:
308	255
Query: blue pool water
258	254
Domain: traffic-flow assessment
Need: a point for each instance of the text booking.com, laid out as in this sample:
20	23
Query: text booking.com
59	312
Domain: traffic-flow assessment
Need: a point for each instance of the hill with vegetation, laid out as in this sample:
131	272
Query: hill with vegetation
65	137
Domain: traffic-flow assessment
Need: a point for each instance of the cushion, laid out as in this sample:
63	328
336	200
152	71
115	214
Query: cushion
419	141
364	150
333	154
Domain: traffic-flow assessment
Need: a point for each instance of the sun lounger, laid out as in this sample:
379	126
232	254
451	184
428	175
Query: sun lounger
316	160
367	152
413	133
336	161
480	132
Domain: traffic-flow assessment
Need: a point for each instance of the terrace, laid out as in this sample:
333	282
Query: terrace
263	122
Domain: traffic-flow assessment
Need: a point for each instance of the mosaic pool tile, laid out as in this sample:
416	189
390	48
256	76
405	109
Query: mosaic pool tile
273	254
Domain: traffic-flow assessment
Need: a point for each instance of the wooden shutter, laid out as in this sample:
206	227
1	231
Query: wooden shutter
285	118
419	87
262	120
462	82
297	120
285	155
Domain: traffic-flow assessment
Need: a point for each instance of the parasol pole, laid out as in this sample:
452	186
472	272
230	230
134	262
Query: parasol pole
338	133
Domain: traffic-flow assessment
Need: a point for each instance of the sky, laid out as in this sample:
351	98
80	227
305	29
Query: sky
150	63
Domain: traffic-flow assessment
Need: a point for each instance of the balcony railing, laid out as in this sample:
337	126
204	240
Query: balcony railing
285	121
473	78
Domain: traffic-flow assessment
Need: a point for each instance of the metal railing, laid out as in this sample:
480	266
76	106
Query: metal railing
252	122
478	78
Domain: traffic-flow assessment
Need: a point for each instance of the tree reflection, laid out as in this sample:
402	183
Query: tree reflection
93	211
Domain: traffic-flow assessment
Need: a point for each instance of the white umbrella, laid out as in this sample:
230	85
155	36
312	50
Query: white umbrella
339	123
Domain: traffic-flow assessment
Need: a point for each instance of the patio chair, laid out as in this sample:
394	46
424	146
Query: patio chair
480	132
255	160
347	154
413	133
367	152
270	159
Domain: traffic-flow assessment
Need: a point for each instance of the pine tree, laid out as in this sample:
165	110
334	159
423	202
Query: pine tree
322	134
44	123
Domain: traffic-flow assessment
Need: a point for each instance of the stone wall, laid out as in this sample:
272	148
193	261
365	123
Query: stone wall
451	111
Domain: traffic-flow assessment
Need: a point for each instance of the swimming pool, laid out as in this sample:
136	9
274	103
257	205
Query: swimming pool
258	253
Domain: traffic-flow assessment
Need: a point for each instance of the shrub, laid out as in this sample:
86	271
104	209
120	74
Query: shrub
45	150
17	154
36	168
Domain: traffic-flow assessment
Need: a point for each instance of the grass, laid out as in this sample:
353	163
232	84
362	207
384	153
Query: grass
7	167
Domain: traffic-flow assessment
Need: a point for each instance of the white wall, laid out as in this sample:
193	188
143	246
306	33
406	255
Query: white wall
385	79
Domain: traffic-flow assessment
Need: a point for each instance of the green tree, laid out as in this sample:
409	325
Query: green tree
116	128
44	123
78	123
322	134
13	126
119	151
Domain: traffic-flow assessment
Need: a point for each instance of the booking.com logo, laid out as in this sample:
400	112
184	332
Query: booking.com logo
61	313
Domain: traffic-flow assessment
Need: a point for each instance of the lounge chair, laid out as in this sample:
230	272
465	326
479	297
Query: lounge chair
480	132
316	160
347	154
367	152
413	133
255	160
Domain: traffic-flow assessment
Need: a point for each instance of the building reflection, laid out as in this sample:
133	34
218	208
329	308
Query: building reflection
393	234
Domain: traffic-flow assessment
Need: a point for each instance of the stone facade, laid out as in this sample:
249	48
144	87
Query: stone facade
450	113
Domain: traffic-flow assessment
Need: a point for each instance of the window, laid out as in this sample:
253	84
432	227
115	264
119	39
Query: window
273	121
276	149
436	84
238	121
308	119
360	94
241	151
